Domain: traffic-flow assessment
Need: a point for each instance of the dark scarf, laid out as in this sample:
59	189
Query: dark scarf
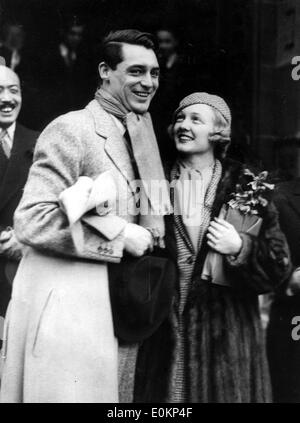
148	161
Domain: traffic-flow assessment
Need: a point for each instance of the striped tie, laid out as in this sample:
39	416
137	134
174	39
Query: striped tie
4	143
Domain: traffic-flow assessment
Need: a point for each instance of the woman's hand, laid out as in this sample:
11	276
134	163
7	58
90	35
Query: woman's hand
223	237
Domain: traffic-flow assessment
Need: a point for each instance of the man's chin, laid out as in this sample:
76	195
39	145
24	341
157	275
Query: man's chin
6	122
140	108
8	119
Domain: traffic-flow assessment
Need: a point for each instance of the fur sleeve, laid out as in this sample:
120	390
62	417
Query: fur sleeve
264	261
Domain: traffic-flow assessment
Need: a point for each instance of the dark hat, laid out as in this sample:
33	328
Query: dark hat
204	98
141	292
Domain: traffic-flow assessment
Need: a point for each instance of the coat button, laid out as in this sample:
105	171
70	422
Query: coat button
190	260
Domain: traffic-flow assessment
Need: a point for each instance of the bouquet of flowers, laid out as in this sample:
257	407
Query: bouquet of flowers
243	212
250	198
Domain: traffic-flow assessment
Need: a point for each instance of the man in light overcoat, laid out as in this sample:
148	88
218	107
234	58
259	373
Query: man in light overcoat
60	344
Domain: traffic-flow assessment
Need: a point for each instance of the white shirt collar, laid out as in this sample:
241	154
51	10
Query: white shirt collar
63	49
171	60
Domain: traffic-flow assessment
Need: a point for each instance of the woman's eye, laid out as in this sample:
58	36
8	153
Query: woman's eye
179	118
197	120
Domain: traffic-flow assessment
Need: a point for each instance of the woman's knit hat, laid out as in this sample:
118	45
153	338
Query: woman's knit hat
204	98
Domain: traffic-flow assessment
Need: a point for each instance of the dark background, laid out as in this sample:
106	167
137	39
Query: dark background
239	49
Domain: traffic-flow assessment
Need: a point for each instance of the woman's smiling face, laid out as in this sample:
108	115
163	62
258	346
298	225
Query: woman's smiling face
192	128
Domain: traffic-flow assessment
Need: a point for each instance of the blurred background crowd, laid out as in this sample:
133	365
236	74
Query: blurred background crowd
237	49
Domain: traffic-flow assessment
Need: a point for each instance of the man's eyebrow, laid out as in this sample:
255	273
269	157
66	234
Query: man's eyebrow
10	86
139	65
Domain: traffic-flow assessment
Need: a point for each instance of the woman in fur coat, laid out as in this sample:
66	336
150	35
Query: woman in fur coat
211	347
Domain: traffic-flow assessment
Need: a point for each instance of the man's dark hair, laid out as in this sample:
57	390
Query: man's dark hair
112	53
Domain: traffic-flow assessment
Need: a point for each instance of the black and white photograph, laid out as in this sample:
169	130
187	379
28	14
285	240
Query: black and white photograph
149	204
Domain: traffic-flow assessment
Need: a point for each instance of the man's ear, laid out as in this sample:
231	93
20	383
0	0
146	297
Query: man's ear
170	130
103	69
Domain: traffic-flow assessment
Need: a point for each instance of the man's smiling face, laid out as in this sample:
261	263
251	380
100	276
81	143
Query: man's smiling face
135	79
10	97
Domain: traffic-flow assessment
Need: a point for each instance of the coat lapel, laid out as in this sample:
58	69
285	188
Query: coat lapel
115	146
18	165
3	167
177	217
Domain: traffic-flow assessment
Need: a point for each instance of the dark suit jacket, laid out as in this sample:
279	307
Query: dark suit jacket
6	53
283	351
287	200
64	88
22	68
13	175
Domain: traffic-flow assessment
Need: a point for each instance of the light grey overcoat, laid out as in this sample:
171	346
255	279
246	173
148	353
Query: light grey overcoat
60	345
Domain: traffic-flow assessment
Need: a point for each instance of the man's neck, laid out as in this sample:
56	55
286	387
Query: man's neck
11	47
114	98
